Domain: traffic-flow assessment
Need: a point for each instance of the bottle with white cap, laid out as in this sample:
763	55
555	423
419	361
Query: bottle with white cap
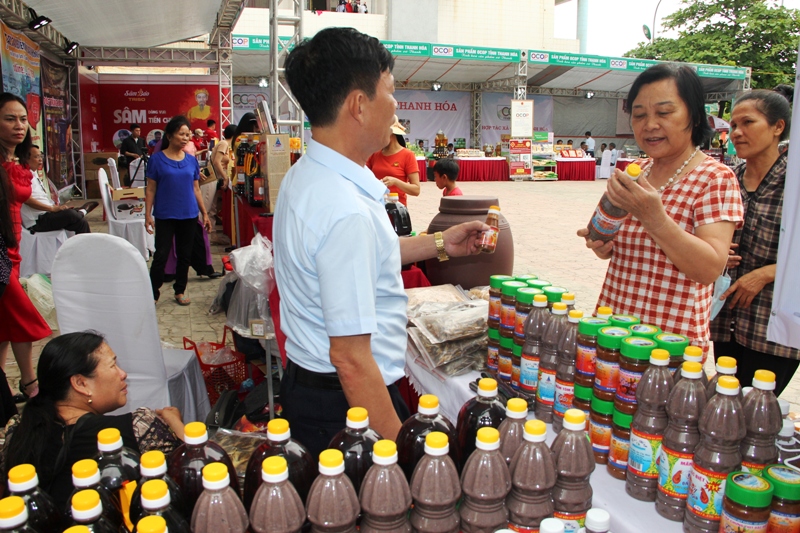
512	429
218	509
533	475
185	464
604	312
725	366
568	299
77	529
484	410
42	512
762	413
302	467
548	362
355	441
574	460
565	369
486	482
153	465
277	508
385	496
722	426
785	407
88	511
86	475
150	524
332	503
788	445
435	488
551	525
118	464
695	355
598	521
155	501
14	516
411	438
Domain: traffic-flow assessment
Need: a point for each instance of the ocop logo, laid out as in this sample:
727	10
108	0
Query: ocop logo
539	57
444	51
240	42
619	63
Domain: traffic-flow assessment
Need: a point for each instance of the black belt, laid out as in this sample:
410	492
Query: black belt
316	380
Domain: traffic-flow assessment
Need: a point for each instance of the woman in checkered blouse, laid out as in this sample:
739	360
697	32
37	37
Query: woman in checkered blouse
759	122
683	210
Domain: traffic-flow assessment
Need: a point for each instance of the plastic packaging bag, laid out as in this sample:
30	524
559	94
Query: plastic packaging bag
40	292
253	264
459	321
217	306
240	446
446	352
246	304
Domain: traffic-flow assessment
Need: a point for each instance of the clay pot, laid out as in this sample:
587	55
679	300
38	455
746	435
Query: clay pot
474	270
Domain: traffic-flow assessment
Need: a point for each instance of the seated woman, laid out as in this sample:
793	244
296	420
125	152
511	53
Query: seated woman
79	382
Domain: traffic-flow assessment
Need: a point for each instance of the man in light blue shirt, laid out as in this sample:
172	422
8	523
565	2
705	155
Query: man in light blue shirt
337	258
589	143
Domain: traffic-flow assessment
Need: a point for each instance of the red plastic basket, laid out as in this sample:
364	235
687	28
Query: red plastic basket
220	378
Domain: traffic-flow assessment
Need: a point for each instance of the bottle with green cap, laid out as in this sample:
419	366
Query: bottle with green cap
332	505
512	429
508	309
574	460
486	482
608	218
355	441
648	331
385	496
411	438
620	445
553	294
565	369
495	294
484	410
675	344
526	277
533	476
606	367
538	283
505	359
218	509
14	516
785	513
435	489
624	321
762	414
43	515
634	359
535	326
746	506
493	351
586	349
548	362
600	428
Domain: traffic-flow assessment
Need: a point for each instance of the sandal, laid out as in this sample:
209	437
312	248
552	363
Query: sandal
182	299
23	397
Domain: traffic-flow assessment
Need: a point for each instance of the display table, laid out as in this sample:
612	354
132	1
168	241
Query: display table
622	164
627	514
575	169
483	169
422	164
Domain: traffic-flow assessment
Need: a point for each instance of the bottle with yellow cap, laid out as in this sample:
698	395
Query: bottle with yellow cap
86	509
686	403
484	410
355	441
301	465
568	299
156	501
185	464
512	429
332	503
118	464
14	516
86	475
385	495
692	354
548	362
762	414
535	325
411	438
607	219
533	476
277	508
151	524
647	428
565	369
435	488
153	465
43	515
722	426
77	529
725	366
574	460
604	313
486	482
218	509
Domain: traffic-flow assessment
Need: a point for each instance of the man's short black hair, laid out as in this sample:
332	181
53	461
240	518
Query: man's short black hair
323	70
134	126
589	133
211	122
613	145
447	167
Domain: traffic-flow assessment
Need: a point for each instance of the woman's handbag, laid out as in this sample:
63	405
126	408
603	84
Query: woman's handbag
207	175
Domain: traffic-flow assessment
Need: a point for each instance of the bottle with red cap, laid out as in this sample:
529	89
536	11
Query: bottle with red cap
355	441
484	410
435	489
218	509
86	475
118	464
574	460
156	501
87	510
762	413
153	465
411	438
277	507
533	476
385	496
332	505
14	516
512	429
42	512
486	482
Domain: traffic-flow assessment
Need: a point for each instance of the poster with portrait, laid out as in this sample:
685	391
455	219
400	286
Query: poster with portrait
57	124
20	60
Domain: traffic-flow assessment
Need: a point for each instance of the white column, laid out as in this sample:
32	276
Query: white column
583	24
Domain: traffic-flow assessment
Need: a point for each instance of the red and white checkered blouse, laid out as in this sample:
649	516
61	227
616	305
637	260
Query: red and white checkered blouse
643	282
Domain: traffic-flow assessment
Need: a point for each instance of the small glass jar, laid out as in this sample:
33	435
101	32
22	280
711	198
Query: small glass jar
624	321
746	506
508	308
633	361
648	331
583	401
620	445
600	422
495	292
553	294
675	344
785	509
586	353
538	283
504	359
606	379
522	310
493	351
516	359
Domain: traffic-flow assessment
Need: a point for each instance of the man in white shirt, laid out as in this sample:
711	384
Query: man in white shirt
589	144
40	212
614	154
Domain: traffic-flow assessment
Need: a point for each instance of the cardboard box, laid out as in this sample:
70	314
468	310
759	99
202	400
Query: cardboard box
92	189
128	204
98	160
275	164
90	175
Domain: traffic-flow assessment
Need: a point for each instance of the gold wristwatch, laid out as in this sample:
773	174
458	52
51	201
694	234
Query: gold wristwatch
440	246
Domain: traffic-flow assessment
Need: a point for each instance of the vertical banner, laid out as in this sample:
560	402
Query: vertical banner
91	126
496	115
20	60
424	113
522	118
57	119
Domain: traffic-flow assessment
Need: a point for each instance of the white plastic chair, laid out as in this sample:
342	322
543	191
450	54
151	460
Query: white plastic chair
121	308
38	250
132	230
112	167
605	165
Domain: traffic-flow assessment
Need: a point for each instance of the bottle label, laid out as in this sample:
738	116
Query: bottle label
618	454
706	491
732	524
600	436
494	307
508	316
572	521
674	371
523	529
783	522
492	355
606	377
673	472
753	468
564	394
645	450
515	373
545	392
585	358
489	238
628	383
605	224
528	373
521	317
504	366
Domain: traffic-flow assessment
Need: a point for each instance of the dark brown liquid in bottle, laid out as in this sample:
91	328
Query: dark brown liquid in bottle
435	490
332	505
574	460
481	411
533	476
185	467
356	445
302	468
385	500
411	440
762	414
486	483
277	509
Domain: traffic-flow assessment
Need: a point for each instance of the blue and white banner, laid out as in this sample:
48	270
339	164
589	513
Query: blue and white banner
496	115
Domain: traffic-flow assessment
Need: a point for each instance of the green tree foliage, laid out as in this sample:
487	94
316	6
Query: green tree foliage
746	33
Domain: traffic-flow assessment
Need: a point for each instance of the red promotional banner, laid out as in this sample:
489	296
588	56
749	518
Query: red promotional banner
57	120
151	106
91	127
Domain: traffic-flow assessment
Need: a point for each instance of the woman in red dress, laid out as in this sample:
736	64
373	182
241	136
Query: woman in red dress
21	323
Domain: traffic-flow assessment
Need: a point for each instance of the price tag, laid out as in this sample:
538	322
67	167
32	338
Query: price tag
258	329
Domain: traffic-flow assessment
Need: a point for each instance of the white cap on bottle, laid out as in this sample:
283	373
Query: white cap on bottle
598	520
746	391
551	525
787	430
784	407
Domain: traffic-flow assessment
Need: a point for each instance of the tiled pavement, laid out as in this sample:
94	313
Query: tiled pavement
543	216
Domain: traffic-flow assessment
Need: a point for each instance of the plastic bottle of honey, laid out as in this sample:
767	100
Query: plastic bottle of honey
512	429
675	344
277	507
355	441
332	505
551	525
722	427
14	516
686	403
762	413
42	512
488	240
435	489
533	476
484	410
218	509
608	218
486	482
565	371
153	465
148	524
385	496
568	299
598	521
411	438
535	325
788	445
572	493
548	363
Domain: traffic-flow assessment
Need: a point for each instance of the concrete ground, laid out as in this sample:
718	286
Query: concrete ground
543	216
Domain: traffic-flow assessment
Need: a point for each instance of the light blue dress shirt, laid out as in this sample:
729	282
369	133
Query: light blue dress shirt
337	263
